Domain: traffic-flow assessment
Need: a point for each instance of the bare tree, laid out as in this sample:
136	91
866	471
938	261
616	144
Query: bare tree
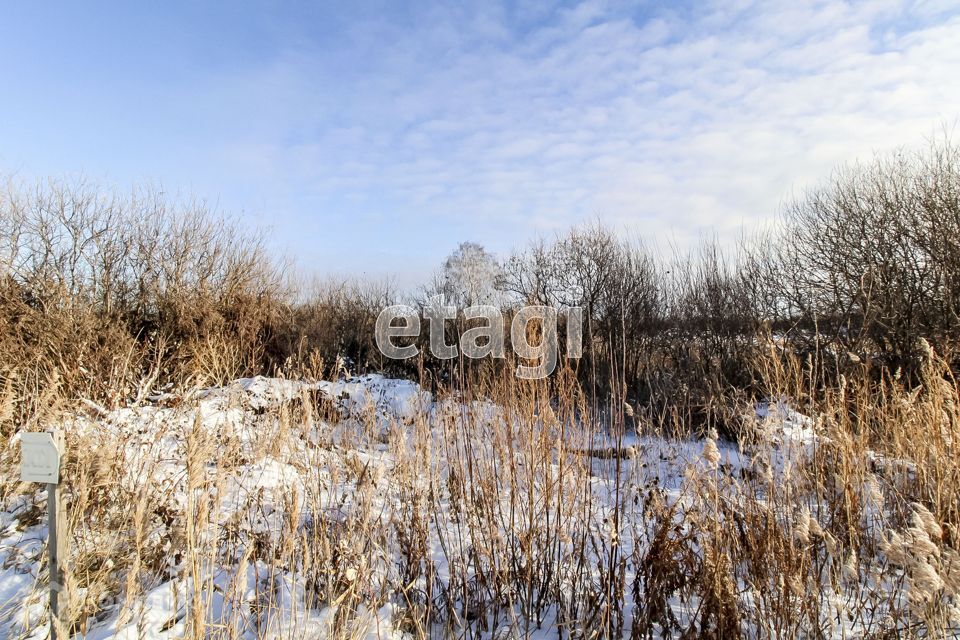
872	256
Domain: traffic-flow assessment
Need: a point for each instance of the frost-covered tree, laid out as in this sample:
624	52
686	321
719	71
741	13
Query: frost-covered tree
469	276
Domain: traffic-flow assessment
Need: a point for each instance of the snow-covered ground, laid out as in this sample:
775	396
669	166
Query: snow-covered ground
269	481
154	436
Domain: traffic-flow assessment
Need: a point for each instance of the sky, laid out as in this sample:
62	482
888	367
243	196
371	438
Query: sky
372	138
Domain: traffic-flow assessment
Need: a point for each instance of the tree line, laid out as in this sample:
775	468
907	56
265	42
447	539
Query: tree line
111	297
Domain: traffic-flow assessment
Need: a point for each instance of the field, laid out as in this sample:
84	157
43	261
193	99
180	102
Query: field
365	507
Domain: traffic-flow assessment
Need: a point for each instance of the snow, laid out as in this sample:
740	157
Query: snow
390	399
255	599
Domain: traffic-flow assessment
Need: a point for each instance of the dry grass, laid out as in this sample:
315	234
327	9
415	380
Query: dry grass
494	515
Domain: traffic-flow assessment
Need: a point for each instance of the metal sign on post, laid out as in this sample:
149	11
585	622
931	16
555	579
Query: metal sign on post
41	458
40	462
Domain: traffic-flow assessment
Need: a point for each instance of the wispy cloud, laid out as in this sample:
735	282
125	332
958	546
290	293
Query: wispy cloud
419	128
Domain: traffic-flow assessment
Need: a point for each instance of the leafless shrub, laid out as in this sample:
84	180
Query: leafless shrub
871	258
101	292
333	321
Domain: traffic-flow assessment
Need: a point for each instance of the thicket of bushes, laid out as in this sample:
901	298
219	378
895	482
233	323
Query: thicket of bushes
110	297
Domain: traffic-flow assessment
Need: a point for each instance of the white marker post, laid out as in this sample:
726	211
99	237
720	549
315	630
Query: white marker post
40	462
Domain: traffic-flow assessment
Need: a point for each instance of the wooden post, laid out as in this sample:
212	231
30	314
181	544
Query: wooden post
40	462
58	552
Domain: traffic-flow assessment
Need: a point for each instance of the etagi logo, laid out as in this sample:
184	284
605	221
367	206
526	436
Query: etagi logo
488	338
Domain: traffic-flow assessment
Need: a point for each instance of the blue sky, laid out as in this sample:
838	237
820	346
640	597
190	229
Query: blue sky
373	137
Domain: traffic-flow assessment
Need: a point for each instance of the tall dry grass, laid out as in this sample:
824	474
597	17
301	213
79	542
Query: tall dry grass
505	511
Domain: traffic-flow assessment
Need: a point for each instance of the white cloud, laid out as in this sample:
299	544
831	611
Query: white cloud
500	125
